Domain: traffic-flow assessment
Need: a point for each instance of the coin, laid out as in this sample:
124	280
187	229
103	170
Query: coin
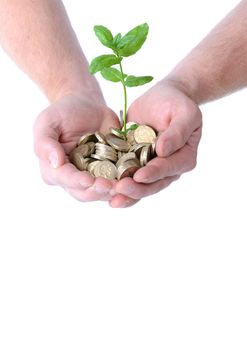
97	156
78	160
91	146
117	143
87	137
137	148
100	137
84	150
92	166
112	156
105	169
125	157
144	133
128	168
153	152
145	155
130	137
117	133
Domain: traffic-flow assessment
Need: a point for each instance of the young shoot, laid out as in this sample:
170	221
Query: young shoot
122	47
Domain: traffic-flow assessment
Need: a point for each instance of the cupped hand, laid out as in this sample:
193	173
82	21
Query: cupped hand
178	120
56	132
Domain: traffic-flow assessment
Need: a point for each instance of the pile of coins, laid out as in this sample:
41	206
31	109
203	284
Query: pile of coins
114	156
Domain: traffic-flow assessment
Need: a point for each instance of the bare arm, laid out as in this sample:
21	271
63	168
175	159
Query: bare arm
218	65
38	36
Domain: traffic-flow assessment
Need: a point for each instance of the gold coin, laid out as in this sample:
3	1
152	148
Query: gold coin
117	133
128	169
106	169
78	160
144	133
91	146
137	148
100	137
145	155
130	137
153	152
117	143
83	149
125	157
92	166
120	154
86	138
97	156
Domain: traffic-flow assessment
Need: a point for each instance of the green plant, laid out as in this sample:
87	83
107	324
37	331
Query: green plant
122	46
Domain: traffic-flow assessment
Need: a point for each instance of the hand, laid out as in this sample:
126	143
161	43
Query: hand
56	132
178	120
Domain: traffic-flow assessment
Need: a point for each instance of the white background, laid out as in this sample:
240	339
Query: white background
168	273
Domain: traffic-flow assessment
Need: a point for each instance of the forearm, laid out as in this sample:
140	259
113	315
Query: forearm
38	36
218	65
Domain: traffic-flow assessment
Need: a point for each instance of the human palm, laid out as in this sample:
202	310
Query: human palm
178	122
56	132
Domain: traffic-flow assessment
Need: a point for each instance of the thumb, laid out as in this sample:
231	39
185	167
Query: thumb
174	137
46	144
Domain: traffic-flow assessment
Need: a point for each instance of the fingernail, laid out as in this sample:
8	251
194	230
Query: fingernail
53	158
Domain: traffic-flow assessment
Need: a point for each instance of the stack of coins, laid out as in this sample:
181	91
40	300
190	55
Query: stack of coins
114	156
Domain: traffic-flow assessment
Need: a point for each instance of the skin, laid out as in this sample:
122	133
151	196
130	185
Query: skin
217	66
48	51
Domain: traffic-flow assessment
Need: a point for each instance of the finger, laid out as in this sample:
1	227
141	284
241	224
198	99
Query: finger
46	144
132	189
67	176
121	201
159	168
87	195
177	134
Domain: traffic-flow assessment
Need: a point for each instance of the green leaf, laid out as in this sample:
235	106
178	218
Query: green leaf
133	40
116	39
104	35
137	81
133	127
111	74
103	61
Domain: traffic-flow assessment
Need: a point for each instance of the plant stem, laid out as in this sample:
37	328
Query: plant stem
125	99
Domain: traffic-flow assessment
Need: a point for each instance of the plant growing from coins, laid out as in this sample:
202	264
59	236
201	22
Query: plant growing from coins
120	152
122	47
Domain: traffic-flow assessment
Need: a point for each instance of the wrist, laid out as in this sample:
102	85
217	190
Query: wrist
186	82
73	78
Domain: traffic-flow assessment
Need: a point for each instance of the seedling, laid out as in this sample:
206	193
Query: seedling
122	46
